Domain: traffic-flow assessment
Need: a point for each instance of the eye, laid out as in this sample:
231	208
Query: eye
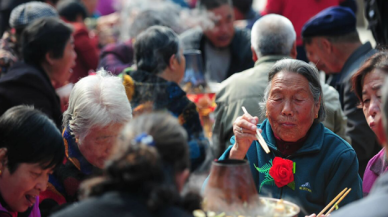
35	174
365	101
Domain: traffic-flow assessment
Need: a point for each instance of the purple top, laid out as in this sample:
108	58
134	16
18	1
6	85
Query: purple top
35	212
376	166
105	7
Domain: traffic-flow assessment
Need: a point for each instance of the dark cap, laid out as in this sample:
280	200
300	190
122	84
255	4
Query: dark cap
333	21
25	13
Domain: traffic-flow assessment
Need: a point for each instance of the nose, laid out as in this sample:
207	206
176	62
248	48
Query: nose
374	107
287	108
41	185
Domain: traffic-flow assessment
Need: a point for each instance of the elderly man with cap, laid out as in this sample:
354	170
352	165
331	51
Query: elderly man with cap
332	43
273	38
20	17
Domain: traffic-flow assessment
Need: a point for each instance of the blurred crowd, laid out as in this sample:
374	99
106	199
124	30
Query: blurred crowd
98	117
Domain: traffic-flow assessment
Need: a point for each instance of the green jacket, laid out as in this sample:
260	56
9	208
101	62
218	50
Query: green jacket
324	166
247	89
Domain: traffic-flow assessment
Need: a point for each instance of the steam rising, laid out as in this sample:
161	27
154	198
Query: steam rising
177	18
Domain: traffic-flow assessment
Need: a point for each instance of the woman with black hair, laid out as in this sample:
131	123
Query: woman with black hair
31	147
48	54
144	175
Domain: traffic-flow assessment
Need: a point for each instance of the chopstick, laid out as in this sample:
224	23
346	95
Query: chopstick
339	201
259	137
333	201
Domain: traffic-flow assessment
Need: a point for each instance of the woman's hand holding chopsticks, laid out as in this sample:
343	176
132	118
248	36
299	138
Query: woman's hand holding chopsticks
244	129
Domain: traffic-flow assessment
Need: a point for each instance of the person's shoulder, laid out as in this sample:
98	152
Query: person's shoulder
80	209
230	86
104	205
335	142
329	93
174	211
22	72
243	33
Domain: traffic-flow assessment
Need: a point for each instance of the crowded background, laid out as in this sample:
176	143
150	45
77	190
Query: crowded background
127	107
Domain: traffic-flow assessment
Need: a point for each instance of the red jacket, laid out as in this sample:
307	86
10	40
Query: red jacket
298	11
87	53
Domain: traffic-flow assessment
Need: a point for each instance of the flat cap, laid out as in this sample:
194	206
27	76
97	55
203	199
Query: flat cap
333	21
25	13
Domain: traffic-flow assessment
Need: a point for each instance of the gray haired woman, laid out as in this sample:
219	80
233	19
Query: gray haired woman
307	162
98	110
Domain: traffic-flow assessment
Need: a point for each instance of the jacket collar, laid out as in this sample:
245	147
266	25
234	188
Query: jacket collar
270	59
313	142
74	154
359	52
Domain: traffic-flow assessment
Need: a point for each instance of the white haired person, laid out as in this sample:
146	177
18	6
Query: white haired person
98	109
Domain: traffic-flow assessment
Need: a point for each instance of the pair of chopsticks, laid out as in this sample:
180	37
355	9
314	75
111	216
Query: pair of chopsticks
341	196
258	136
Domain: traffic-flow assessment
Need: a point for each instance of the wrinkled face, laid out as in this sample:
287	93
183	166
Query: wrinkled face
20	189
223	31
290	107
97	145
371	97
320	57
62	67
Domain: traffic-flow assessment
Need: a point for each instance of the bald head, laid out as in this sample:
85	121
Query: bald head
273	35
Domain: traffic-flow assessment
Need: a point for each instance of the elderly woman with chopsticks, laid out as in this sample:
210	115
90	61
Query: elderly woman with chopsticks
306	163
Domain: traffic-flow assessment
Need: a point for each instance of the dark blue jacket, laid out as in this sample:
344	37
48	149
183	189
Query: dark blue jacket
325	165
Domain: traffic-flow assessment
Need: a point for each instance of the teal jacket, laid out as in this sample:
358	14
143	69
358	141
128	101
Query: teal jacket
324	166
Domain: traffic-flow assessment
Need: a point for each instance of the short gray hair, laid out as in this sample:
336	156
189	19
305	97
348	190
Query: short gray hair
273	35
307	71
98	100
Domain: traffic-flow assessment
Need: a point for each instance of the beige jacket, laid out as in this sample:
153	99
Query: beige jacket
247	89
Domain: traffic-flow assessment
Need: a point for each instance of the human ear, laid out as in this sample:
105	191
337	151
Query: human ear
49	59
326	45
293	52
317	107
254	55
172	62
3	158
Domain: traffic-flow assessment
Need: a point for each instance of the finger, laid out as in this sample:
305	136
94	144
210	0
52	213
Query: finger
251	119
245	124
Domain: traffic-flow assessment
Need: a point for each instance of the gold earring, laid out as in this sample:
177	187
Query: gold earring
316	116
0	172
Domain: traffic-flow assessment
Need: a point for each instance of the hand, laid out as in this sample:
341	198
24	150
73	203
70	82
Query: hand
244	129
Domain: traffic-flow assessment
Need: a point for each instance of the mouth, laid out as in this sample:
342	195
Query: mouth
287	124
31	199
372	124
223	38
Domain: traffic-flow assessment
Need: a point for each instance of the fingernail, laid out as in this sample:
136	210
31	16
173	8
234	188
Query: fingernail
253	121
253	127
